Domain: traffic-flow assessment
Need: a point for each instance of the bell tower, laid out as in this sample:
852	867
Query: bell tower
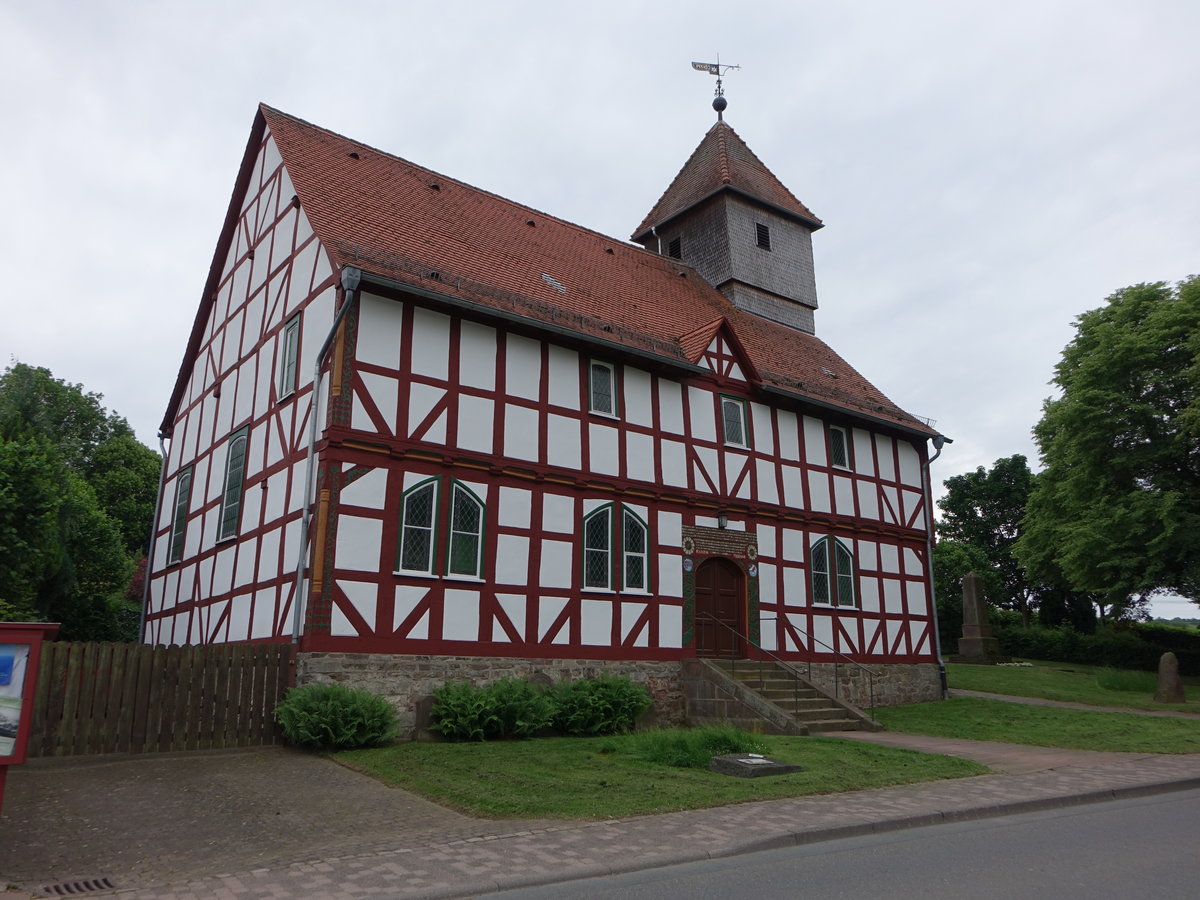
730	218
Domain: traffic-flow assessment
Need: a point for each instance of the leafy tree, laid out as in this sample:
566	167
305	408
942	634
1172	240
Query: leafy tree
124	474
1116	512
29	523
983	509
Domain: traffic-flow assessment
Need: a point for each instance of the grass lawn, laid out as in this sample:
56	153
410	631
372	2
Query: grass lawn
1069	682
995	720
598	778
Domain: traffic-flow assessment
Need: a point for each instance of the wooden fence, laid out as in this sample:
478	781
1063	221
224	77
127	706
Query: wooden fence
129	698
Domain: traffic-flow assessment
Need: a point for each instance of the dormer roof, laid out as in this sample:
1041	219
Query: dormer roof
723	162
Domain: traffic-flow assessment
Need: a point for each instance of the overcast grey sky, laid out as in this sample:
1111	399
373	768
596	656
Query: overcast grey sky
986	172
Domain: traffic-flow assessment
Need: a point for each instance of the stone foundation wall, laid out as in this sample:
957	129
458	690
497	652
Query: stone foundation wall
895	685
406	680
716	700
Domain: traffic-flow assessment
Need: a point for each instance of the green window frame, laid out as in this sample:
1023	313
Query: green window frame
597	548
183	499
289	357
235	483
417	548
831	573
465	528
734	425
635	552
616	549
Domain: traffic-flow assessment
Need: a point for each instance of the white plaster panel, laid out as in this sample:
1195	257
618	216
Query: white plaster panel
521	432
243	403
223	571
670	625
735	464
595	620
789	441
868	500
890	510
910	464
460	619
514	606
406	599
794	593
421	400
814	441
549	609
706	463
430	343
281	243
670	529
912	563
766	631
914	595
239	617
515	504
822	633
367	490
800	623
670	575
557	557
630	613
889	559
637	408
818	492
192	588
768	491
364	597
793	487
318	319
893	596
847	638
223	407
512	559
867	556
670	406
291	541
309	267
558	513
232	342
913	509
475	423
674	463
384	392
766	535
247	557
843	495
562	442
358	542
703	414
268	556
763	428
639	456
920	643
380	324
793	545
868	594
603	448
864	460
523	367
563	377
264	379
262	625
477	355
767	587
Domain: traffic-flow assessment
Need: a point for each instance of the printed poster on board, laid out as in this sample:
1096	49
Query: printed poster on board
14	659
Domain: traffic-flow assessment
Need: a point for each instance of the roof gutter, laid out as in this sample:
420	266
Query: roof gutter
845	410
351	277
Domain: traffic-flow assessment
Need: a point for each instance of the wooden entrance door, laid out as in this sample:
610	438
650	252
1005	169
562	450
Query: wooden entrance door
719	595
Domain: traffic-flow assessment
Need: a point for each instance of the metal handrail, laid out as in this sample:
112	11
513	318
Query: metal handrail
794	670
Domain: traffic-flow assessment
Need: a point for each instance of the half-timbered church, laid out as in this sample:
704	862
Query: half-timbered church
428	433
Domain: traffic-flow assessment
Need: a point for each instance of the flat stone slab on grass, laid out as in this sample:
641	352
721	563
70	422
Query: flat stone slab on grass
750	765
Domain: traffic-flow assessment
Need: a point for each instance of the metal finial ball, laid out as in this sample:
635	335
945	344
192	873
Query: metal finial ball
720	103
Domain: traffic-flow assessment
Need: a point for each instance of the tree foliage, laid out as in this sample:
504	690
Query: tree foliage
77	498
1116	512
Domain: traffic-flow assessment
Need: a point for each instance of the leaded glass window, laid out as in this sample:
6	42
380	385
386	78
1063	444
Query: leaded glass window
183	496
831	570
466	532
819	570
839	449
733	417
289	356
634	551
603	388
597	549
235	476
416	528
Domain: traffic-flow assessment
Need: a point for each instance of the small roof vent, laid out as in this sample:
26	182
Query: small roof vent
554	283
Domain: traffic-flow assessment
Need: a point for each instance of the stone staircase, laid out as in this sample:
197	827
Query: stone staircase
814	709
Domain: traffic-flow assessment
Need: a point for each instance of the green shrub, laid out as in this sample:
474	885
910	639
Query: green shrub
1127	680
335	717
608	705
692	749
523	710
1124	647
462	712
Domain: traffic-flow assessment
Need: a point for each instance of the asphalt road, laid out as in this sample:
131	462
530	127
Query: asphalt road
1119	850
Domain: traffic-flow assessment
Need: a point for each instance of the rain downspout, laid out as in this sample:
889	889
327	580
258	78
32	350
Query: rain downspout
162	479
939	441
351	277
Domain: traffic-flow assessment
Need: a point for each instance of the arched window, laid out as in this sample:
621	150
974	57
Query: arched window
634	548
466	532
235	476
831	572
417	511
597	548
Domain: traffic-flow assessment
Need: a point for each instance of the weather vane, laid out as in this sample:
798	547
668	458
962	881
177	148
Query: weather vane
719	101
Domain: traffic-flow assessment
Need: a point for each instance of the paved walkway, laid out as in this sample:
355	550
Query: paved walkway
274	822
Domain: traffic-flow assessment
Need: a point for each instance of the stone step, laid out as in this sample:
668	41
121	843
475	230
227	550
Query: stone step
819	726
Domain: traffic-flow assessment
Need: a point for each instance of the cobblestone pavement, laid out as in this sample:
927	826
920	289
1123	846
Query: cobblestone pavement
273	822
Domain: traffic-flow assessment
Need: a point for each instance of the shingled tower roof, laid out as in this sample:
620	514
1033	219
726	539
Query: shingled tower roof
724	162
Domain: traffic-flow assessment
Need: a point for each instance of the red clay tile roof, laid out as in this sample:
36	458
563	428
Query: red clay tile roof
404	223
721	162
